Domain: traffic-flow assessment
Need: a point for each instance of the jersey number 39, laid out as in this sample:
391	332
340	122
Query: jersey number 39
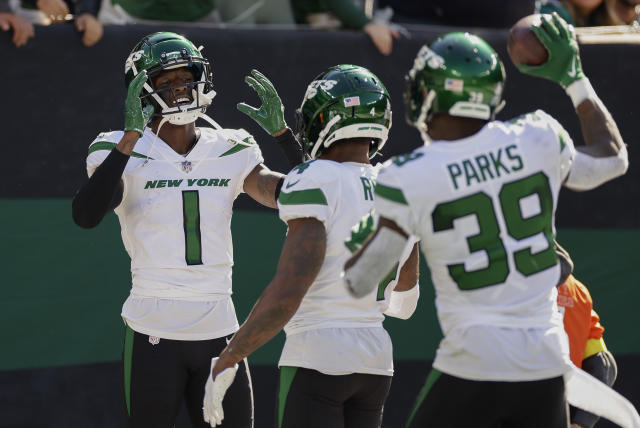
488	238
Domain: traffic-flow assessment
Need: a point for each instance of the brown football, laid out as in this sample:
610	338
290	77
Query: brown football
523	46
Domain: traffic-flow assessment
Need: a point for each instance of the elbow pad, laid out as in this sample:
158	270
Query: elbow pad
588	172
402	304
377	259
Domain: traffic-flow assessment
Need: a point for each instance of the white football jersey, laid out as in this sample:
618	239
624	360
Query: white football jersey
175	217
484	208
329	319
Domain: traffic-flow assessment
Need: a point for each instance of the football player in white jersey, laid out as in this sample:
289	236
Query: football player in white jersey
337	361
173	185
481	194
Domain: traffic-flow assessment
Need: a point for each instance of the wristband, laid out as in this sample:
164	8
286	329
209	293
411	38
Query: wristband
581	90
291	148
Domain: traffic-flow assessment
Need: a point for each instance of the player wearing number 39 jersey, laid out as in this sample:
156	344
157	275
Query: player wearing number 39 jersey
482	194
173	185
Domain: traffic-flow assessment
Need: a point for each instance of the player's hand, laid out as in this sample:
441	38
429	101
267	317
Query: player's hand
135	117
382	36
55	10
22	29
92	29
270	115
217	384
563	66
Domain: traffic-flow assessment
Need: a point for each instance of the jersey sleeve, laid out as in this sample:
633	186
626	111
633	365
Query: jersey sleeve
100	148
562	143
304	193
391	201
253	152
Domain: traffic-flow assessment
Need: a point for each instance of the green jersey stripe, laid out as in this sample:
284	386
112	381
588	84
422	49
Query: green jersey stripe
234	149
303	197
108	145
391	193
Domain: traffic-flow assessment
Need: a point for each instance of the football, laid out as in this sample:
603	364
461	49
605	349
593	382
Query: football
523	45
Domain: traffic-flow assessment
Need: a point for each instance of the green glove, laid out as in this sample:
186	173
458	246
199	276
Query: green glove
135	117
563	65
270	115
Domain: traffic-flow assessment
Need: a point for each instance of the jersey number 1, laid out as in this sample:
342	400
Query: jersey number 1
488	238
191	221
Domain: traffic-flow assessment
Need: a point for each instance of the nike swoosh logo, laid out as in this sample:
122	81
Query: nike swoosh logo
572	72
291	184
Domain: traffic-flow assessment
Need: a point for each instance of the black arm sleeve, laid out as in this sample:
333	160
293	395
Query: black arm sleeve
291	148
102	193
603	367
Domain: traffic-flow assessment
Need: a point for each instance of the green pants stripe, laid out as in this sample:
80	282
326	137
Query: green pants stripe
128	352
286	379
431	379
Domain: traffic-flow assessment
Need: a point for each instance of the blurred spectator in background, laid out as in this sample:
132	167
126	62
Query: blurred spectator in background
344	14
586	13
154	11
251	12
582	324
248	12
22	29
81	12
463	13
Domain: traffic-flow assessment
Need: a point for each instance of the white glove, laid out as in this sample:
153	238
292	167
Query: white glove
214	391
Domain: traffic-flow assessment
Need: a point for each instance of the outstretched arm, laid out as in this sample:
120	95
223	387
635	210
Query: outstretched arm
300	261
365	269
263	185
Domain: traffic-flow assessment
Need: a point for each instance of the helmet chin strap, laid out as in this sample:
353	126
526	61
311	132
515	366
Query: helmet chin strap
323	134
421	122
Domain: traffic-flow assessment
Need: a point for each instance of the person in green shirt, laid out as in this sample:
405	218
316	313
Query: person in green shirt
345	14
143	11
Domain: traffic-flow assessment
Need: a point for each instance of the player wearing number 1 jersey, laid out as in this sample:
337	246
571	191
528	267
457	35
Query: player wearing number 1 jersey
481	194
173	185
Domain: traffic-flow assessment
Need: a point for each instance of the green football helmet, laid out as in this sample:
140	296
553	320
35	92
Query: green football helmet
344	101
163	51
458	74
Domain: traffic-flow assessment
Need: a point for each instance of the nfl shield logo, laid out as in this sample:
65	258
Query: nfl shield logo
186	166
154	340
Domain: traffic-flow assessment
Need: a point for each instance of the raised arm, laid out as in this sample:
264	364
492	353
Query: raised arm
605	156
270	117
103	191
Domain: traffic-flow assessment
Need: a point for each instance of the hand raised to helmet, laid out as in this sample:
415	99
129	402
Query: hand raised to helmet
135	117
